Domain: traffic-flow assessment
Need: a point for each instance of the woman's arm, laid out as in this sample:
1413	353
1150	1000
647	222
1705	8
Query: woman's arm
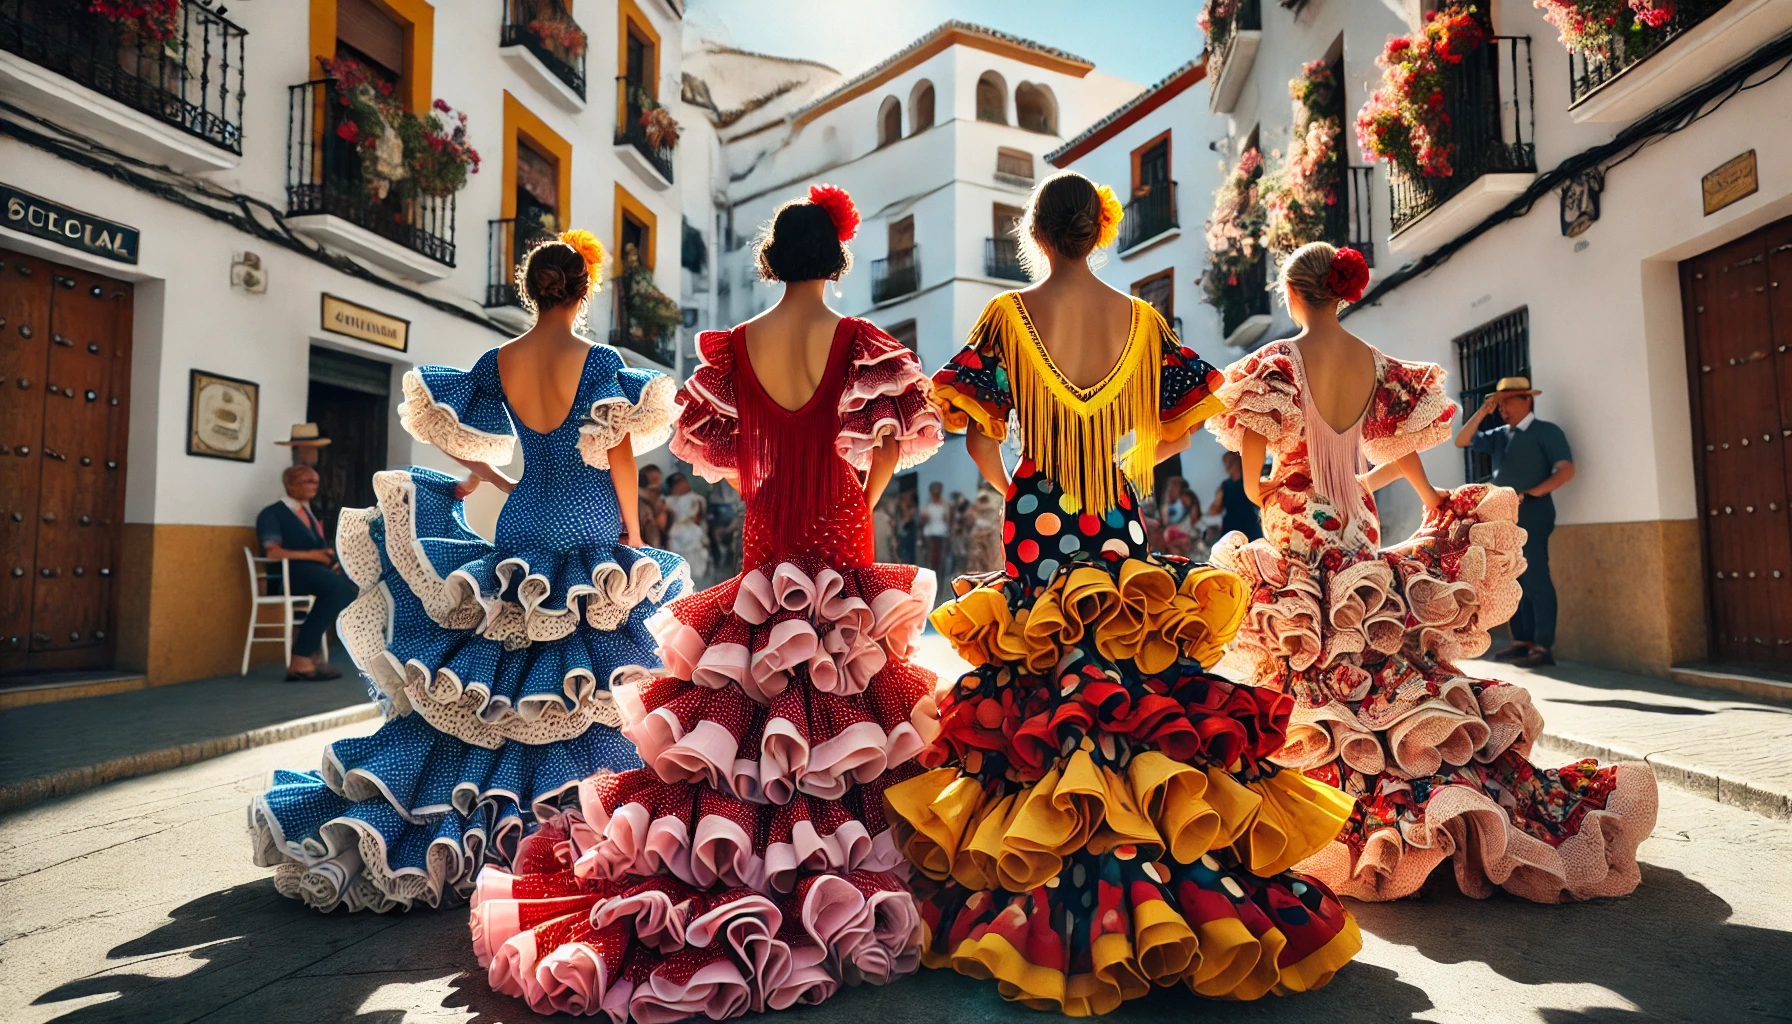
1169	449
1414	471
1381	476
1255	487
1218	504
482	471
883	466
986	452
627	481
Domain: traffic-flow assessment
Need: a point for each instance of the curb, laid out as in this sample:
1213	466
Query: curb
76	780
1681	775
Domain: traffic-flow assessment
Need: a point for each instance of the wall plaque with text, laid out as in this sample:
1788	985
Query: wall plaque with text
344	317
1734	180
35	215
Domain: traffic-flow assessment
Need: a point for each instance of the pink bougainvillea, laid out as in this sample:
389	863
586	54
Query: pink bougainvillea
1297	195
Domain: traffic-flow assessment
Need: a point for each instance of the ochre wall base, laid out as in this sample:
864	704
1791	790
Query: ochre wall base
1631	595
184	607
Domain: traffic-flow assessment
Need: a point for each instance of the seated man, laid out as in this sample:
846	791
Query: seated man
289	529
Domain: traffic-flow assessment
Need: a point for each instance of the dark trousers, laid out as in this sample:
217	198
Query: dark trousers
333	592
1535	621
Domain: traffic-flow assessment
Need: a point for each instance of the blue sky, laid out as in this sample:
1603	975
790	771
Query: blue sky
1142	40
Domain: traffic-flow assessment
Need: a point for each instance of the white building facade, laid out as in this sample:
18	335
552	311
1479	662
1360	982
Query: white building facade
1617	230
240	273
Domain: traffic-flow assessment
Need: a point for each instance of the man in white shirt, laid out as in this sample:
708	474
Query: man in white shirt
936	528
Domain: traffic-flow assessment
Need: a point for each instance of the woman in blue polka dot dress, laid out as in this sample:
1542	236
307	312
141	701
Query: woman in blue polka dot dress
495	661
1101	815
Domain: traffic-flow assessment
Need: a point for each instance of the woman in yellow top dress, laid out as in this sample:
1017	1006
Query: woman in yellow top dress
1101	814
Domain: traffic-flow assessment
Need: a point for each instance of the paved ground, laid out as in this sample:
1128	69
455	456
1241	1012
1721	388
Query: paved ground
136	902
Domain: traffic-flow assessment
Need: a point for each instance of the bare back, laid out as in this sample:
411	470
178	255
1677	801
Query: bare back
1083	323
1340	372
789	350
540	375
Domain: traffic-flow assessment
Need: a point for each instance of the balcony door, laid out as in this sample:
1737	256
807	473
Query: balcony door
639	60
370	37
1152	175
902	236
1738	332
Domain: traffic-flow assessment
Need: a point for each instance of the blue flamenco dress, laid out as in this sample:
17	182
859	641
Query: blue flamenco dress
494	660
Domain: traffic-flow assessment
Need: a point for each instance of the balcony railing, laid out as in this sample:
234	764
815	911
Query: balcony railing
896	274
1149	214
1248	18
655	342
1001	258
1250	299
507	242
1352	222
631	132
1632	44
1493	123
324	175
546	29
192	80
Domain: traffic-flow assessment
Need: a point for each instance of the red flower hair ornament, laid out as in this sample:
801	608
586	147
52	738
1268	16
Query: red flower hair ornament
1349	274
841	211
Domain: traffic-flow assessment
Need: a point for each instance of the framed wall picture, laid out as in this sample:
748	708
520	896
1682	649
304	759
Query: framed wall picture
221	415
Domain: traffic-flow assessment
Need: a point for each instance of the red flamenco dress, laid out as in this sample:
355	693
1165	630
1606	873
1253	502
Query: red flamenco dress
749	866
1102	815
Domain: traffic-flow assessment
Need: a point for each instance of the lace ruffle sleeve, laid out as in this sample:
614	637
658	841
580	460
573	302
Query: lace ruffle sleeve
1259	393
1185	389
1409	413
886	397
708	418
462	412
973	385
627	402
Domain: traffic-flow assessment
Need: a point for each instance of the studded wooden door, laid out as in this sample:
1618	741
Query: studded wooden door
65	357
1738	305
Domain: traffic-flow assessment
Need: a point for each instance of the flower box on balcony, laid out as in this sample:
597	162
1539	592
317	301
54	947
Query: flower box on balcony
1235	31
1700	40
542	42
645	135
176	100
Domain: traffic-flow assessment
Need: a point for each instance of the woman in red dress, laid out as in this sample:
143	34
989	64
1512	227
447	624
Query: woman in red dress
749	865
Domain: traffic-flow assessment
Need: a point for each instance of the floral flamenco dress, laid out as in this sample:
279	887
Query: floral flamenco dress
1365	639
495	661
749	865
1102	815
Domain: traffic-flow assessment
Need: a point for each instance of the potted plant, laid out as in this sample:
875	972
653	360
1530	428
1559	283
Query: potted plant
648	314
1298	195
402	154
1235	232
1405	121
1607	27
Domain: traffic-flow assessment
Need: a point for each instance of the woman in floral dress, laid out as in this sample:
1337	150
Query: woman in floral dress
749	866
494	659
1101	816
1365	638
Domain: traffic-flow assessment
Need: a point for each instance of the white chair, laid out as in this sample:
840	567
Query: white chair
294	608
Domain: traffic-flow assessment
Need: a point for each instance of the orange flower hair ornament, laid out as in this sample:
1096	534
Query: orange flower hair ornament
590	249
1111	213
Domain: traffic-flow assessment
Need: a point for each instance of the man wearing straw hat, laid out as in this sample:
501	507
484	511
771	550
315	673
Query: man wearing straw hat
289	529
1532	457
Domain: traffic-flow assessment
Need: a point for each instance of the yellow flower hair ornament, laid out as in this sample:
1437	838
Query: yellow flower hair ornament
1111	213
590	249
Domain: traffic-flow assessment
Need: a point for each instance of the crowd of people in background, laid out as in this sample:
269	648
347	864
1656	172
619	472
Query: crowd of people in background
702	526
1179	525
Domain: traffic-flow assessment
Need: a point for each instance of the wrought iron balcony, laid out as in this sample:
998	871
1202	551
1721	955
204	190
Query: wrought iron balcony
325	174
1632	44
508	241
1223	51
1351	220
1249	299
546	29
1148	215
193	79
1001	258
1493	123
896	274
635	104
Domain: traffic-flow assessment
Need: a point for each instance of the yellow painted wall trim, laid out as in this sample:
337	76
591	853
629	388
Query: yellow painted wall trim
522	123
639	211
629	14
419	20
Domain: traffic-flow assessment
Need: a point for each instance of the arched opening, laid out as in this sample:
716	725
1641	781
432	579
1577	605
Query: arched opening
1035	109
992	98
920	107
889	121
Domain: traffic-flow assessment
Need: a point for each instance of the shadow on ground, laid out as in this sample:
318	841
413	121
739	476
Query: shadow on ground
1670	948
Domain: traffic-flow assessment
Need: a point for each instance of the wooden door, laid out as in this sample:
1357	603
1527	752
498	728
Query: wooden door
1739	341
66	358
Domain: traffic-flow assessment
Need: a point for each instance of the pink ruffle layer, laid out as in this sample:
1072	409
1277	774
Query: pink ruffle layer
658	949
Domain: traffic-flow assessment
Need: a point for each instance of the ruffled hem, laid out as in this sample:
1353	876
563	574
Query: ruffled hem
886	397
1442	721
989	835
1150	611
634	823
437	423
805	741
655	949
1461	822
331	852
708	419
1309	628
840	627
1109	928
647	422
